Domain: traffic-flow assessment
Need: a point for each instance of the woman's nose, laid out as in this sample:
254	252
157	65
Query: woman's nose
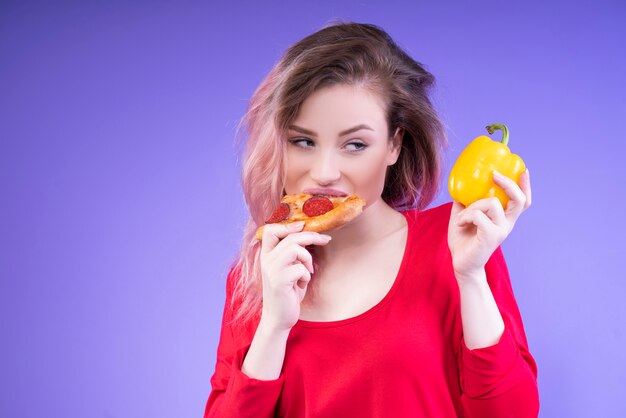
325	170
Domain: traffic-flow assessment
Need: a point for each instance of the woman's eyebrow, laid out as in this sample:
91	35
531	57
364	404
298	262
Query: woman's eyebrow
346	132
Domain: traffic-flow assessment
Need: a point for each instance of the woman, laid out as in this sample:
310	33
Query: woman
403	312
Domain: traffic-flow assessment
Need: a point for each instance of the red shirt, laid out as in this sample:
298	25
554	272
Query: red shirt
404	357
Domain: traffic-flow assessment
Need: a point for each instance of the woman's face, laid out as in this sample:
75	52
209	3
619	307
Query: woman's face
339	144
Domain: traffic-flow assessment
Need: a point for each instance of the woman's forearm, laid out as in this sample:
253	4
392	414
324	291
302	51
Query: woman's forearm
266	354
482	323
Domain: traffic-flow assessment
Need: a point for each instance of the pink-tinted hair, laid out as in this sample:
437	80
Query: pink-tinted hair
355	54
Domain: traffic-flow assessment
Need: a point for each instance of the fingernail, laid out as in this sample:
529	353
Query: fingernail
528	172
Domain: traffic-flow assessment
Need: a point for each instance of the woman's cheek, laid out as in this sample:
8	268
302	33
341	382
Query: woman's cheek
292	185
370	177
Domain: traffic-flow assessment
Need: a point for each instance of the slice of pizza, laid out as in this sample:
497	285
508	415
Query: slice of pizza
320	213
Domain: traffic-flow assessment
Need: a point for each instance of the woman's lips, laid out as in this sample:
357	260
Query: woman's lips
328	192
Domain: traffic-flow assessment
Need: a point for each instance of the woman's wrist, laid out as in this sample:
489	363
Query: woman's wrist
264	360
272	331
473	277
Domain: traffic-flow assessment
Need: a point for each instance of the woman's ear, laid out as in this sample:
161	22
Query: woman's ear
395	146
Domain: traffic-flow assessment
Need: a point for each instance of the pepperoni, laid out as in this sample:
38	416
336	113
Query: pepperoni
317	206
280	214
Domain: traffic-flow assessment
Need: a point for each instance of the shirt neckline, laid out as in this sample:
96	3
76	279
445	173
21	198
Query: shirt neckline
410	217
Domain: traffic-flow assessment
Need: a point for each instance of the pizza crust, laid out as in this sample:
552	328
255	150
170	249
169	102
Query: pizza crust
346	208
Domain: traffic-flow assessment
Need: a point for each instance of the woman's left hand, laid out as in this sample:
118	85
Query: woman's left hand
475	232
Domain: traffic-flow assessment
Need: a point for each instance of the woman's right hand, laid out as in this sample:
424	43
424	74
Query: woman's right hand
286	269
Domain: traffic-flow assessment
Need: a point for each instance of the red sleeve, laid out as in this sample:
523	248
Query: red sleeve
500	380
233	394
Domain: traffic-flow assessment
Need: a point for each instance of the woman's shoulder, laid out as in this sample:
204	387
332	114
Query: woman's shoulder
429	225
437	214
428	228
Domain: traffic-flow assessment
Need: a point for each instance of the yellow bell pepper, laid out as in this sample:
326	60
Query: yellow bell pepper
471	177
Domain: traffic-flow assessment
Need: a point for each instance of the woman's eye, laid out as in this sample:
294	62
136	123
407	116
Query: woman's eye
301	142
356	146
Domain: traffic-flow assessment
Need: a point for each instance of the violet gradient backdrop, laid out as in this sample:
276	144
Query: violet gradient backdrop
121	206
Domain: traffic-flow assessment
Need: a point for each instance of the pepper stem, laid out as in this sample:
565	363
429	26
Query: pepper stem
500	126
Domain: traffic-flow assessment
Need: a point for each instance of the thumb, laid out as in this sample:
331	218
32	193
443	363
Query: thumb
457	207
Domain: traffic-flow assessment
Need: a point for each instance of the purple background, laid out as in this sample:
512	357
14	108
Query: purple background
121	206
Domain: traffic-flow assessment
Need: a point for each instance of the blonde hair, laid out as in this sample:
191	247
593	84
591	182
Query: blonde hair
349	53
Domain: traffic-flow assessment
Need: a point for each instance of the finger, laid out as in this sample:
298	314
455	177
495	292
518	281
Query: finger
300	287
525	185
517	198
478	218
305	239
297	273
491	207
457	207
294	254
273	233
